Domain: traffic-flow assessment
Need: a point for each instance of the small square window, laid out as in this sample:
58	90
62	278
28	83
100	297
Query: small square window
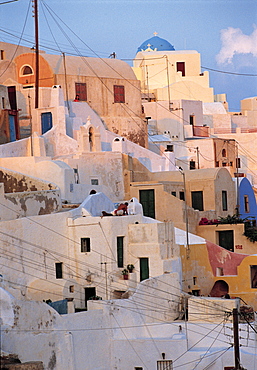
94	182
174	193
170	148
85	245
71	288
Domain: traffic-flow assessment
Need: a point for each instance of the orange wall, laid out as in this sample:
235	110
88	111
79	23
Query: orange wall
46	75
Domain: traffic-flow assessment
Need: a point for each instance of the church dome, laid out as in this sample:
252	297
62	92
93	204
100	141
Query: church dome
155	43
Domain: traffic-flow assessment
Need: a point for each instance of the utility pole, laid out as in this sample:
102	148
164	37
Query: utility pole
236	340
37	53
198	162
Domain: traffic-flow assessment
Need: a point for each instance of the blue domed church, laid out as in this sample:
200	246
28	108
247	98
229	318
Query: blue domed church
155	43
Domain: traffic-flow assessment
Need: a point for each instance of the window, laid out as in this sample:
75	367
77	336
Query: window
238	163
119	94
181	67
226	239
2	56
192	165
192	120
85	245
224	200
197	200
81	91
253	276
89	293
174	193
94	181
181	195
27	70
71	288
12	97
58	270
164	365
224	153
120	242
138	368
246	204
144	268
147	199
3	103
217	164
169	148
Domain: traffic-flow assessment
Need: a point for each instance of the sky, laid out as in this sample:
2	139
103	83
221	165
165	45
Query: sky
224	32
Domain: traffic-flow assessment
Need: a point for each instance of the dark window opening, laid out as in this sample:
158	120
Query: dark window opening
192	165
71	288
197	200
246	204
238	162
192	120
12	97
226	239
253	276
89	293
147	199
196	292
94	181
144	268
224	153
27	70
85	245
224	200
119	94
217	164
181	67
174	193
120	252
2	54
81	91
46	121
182	195
169	148
58	270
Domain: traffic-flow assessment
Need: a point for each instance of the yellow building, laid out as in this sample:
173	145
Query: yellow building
211	270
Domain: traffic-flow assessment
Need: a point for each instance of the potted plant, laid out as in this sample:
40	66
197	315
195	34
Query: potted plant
125	274
130	267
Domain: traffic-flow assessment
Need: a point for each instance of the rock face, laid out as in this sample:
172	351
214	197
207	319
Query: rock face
11	362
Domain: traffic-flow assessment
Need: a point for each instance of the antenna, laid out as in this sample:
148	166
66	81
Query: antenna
35	12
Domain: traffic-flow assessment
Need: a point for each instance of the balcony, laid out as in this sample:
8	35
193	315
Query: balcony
201	131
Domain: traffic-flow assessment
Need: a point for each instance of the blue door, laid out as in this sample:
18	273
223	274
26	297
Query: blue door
12	128
46	122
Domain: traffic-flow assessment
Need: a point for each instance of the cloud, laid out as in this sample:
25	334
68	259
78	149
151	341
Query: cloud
235	42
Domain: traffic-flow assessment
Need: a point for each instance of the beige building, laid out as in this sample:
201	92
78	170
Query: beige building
208	193
109	86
